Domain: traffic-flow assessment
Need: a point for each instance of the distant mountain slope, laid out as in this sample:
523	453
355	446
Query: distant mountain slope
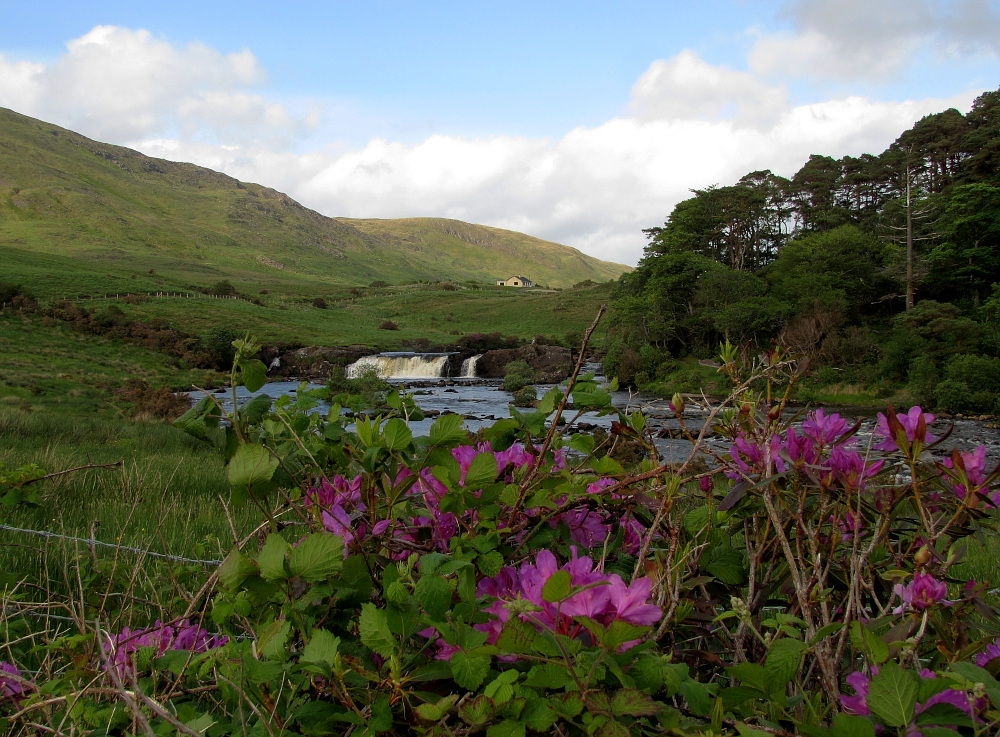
464	249
64	194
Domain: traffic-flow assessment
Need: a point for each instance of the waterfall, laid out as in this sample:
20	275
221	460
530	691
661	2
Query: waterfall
469	367
402	365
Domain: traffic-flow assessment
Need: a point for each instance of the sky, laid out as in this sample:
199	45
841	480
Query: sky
580	122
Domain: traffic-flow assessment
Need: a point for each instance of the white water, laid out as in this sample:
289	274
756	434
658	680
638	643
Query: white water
402	365
469	367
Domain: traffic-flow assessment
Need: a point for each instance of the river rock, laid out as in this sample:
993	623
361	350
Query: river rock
316	362
553	363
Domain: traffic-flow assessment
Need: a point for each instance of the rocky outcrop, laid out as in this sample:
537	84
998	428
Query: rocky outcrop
553	363
315	363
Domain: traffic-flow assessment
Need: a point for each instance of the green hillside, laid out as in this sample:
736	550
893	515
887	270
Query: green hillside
79	215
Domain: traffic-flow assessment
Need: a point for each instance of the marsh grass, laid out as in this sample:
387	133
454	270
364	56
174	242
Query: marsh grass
150	487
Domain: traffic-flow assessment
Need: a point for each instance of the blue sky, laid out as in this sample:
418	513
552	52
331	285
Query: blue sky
581	122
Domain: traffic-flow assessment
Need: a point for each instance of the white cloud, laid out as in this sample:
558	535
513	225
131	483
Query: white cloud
686	87
689	125
873	40
116	84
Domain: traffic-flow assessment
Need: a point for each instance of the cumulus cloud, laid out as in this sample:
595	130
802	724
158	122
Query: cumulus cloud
117	84
687	87
873	40
689	124
593	188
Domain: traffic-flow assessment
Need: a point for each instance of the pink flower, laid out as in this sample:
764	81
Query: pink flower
911	425
822	429
923	592
13	688
162	637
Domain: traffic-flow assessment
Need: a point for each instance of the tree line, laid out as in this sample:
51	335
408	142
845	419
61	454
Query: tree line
885	267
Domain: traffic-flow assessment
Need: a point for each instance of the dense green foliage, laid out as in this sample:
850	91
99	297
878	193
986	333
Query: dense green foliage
526	582
819	264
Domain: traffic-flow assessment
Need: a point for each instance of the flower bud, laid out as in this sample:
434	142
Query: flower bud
922	556
677	403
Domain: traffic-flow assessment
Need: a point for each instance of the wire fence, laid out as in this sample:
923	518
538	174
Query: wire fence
91	542
139	295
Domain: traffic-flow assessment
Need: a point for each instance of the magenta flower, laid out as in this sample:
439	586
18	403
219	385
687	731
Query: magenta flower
604	598
969	475
822	429
162	637
13	685
910	422
850	469
923	592
983	657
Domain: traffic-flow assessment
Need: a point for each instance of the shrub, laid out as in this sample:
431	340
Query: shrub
517	375
378	284
388	325
526	396
320	303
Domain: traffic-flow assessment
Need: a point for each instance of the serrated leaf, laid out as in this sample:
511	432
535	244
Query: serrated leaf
620	632
317	557
506	728
476	712
892	694
254	410
272	558
234	570
434	595
849	725
396	434
751	674
490	563
783	658
469	671
869	643
322	647
447	429
272	643
516	636
430	712
609	728
634	703
482	470
252	464
373	627
582	443
253	374
558	587
381	719
726	565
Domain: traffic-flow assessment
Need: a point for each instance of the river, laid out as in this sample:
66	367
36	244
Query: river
481	402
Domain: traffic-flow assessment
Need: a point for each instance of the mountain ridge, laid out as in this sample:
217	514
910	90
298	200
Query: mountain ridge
64	194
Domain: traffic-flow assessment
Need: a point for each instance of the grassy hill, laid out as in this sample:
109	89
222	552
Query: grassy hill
105	218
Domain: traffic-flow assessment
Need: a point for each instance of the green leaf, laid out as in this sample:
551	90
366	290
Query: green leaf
783	659
582	443
848	725
381	719
752	674
745	731
253	374
322	647
447	429
373	628
892	694
434	595
469	671
620	632
516	636
272	558
869	643
396	434
558	587
252	464
726	565
272	643
482	471
254	410
260	671
476	712
506	728
235	568
317	557
634	703
490	563
826	631
538	716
